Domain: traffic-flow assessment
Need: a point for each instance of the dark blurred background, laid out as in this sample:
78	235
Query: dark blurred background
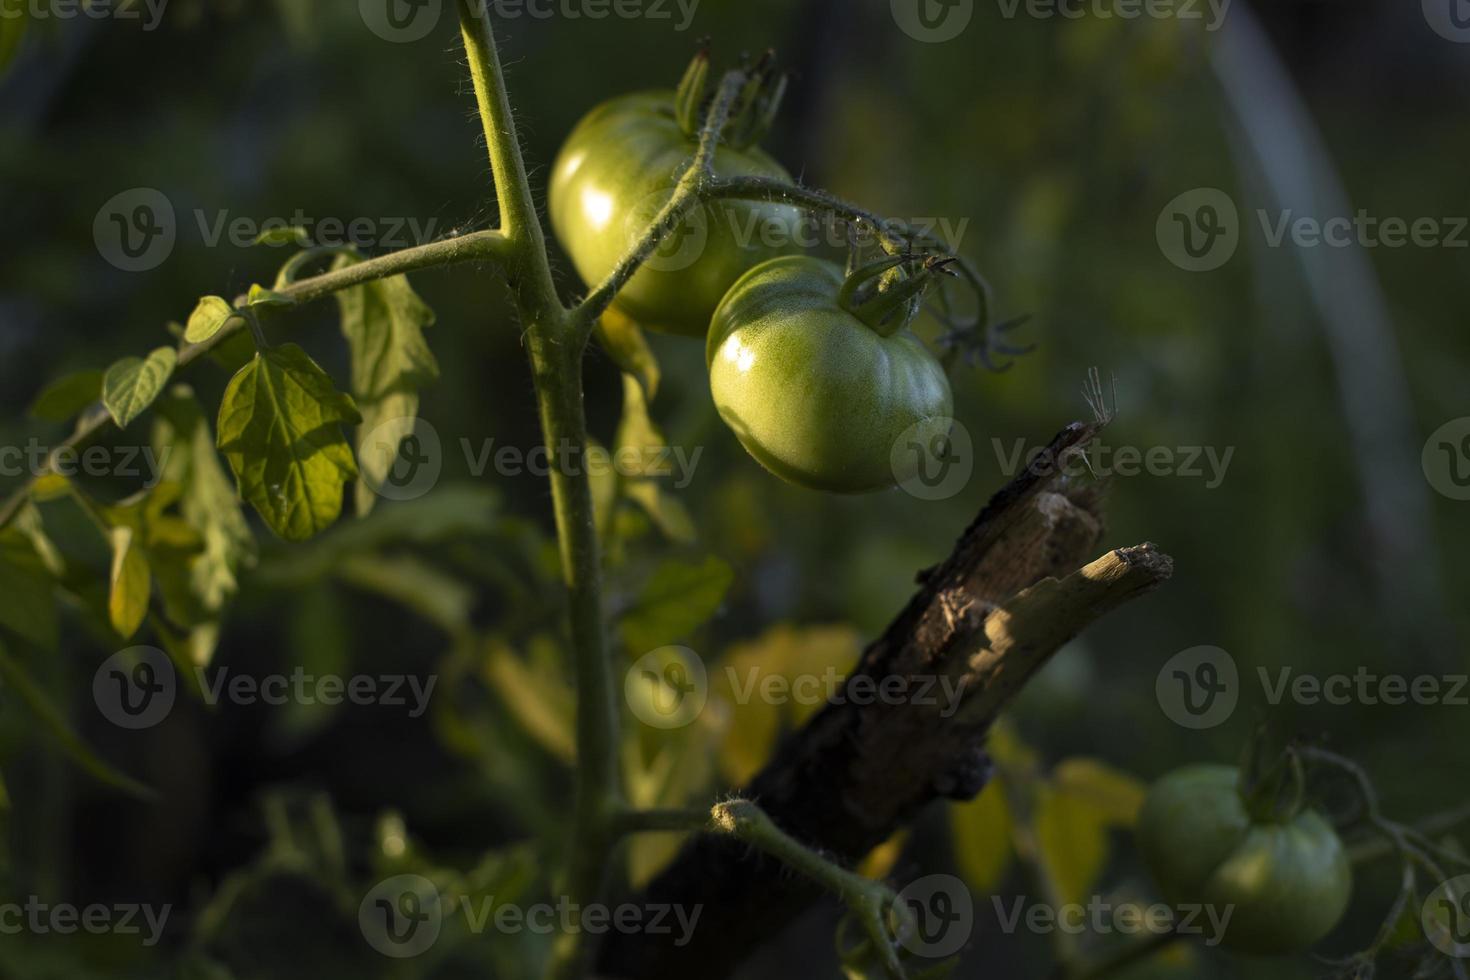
1054	144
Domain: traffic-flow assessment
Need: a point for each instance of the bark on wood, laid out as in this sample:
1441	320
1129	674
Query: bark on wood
1012	592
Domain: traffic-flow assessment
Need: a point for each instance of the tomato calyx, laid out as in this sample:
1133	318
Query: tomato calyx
887	305
1274	790
755	107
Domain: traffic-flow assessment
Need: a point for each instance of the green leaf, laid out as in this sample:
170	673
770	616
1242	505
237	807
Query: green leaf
131	583
260	296
676	600
67	396
208	318
435	595
279	428
541	701
384	324
623	339
53	721
132	383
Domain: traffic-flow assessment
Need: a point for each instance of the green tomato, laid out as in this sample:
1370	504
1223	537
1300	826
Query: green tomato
618	169
1285	883
815	394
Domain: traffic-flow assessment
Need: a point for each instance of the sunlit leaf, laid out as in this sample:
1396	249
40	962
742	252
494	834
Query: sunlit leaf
1115	795
384	324
131	384
208	318
131	583
280	429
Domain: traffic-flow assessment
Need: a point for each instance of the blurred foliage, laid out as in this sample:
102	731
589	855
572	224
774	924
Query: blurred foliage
1046	147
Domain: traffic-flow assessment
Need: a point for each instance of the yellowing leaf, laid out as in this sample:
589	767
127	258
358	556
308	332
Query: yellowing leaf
981	835
1073	839
777	681
280	429
127	602
131	384
1115	796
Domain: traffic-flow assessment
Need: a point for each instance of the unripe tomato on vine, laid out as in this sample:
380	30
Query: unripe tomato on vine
620	166
819	376
1282	873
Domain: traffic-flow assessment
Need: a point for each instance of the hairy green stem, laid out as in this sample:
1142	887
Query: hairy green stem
555	341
